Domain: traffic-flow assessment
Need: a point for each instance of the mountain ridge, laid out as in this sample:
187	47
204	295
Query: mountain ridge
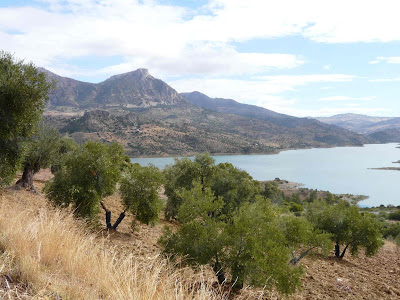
167	123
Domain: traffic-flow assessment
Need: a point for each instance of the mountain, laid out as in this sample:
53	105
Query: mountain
391	135
132	89
149	117
358	123
230	106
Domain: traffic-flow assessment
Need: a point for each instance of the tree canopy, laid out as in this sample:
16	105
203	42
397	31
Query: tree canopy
87	175
23	96
347	227
139	189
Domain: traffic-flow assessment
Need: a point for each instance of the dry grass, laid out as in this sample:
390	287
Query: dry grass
52	255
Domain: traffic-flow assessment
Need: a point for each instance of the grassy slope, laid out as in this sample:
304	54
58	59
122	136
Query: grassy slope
46	253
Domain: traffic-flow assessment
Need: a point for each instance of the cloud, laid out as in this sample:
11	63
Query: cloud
262	91
384	79
345	98
144	34
172	39
389	60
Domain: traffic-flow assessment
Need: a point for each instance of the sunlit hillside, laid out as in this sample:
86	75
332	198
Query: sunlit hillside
47	254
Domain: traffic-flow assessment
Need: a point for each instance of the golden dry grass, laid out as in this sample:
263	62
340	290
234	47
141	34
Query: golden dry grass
45	253
52	255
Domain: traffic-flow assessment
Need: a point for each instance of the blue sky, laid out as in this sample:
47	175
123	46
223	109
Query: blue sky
304	58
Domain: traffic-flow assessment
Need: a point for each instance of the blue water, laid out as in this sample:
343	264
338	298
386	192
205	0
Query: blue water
338	170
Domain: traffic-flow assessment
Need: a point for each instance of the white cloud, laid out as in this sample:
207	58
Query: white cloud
175	40
150	35
345	98
384	79
327	67
389	60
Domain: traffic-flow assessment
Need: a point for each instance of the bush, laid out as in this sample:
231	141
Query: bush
394	215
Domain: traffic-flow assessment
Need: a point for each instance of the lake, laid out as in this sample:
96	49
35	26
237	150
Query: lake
339	170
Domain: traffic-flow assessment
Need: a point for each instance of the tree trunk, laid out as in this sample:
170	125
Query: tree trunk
237	277
344	251
108	218
26	180
337	250
119	220
108	215
217	268
295	260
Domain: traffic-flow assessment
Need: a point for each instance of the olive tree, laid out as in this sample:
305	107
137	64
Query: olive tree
41	151
347	227
23	96
301	234
249	246
88	174
181	175
140	187
235	186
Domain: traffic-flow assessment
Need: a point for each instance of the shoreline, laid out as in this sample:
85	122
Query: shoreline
291	187
254	153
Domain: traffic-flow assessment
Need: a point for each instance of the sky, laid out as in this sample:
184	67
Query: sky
303	58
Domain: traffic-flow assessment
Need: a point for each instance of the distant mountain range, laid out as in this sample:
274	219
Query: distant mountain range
149	117
380	129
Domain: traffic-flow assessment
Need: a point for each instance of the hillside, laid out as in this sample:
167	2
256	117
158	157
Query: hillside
149	117
48	254
361	123
391	135
184	130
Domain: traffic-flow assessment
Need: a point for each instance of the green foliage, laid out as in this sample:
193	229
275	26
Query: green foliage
394	215
42	149
299	232
199	238
66	145
88	174
295	207
272	192
235	186
139	189
23	96
391	229
347	226
256	249
250	244
178	176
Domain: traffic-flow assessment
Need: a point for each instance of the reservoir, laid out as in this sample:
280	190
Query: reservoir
339	170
